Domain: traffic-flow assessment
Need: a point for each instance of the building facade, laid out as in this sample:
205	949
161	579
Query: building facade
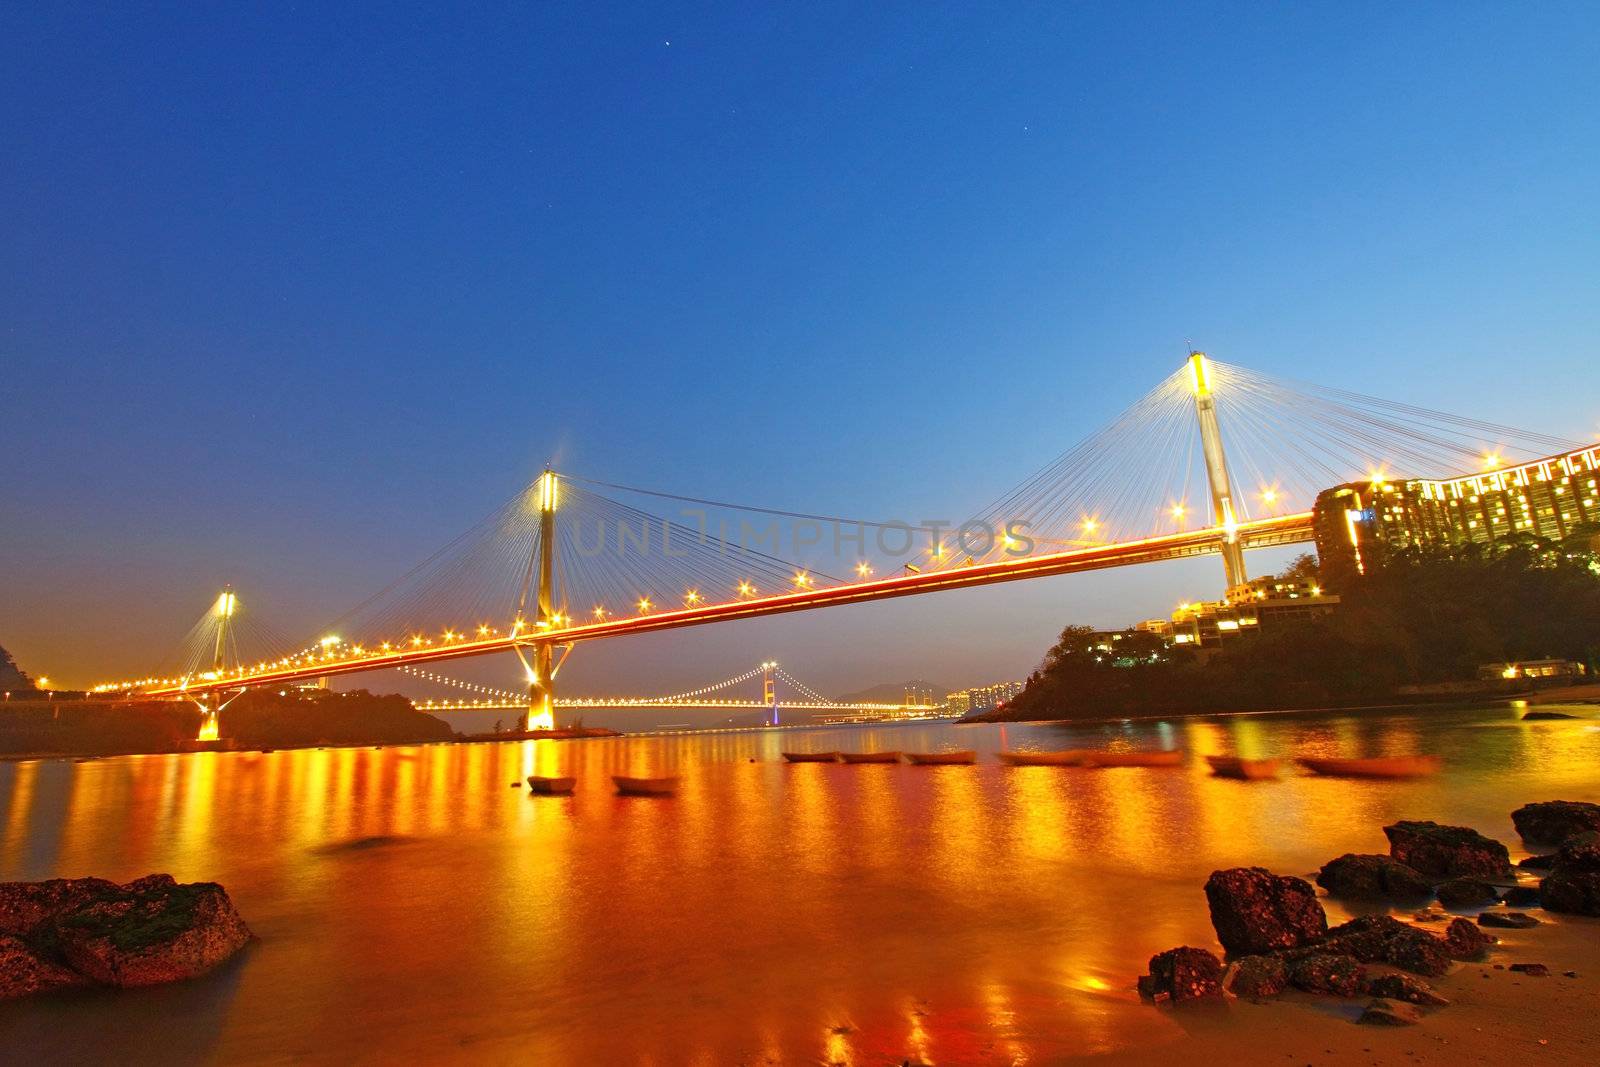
1553	498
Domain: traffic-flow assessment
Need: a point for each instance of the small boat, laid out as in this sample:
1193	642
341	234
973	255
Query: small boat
1071	757
1251	770
870	757
1381	767
550	786
931	759
645	787
1171	757
811	757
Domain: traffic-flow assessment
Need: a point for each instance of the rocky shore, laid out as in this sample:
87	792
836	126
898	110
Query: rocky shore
1275	937
71	933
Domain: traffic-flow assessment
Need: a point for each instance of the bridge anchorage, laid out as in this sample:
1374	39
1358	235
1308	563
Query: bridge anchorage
1120	497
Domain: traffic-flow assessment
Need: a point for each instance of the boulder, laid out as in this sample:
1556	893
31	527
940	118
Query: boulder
1551	822
1464	941
1406	988
1520	896
1447	851
1390	1013
1374	876
25	905
1507	920
1533	970
1580	852
23	972
152	931
1546	716
1255	911
1256	976
1572	892
1384	939
1467	893
1338	976
1182	974
83	931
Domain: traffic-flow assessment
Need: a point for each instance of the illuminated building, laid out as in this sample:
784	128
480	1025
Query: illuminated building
1249	606
1356	524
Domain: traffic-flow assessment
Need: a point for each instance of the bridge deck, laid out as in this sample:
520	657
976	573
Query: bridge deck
1260	533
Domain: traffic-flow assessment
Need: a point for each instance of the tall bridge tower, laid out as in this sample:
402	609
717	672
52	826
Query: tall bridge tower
769	692
541	567
211	707
1223	513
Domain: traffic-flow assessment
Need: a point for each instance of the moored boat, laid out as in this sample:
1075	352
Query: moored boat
870	757
1251	770
1380	767
811	757
1071	757
645	787
550	786
929	759
1171	757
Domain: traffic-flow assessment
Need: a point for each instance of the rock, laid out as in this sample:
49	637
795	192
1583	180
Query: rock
1540	716
1382	877
24	905
1507	920
1406	988
1551	822
1467	893
1390	1013
1464	941
1338	976
1535	970
23	972
1256	976
150	931
1572	892
1255	911
1182	974
1537	863
1447	851
1520	896
1580	852
1384	939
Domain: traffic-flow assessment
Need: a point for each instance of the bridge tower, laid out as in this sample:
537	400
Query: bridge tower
541	685
211	707
769	692
1223	512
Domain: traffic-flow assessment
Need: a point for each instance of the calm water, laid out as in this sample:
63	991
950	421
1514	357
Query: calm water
768	913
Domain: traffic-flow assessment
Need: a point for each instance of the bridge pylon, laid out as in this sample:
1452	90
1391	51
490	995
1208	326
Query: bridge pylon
769	691
226	606
1223	511
541	574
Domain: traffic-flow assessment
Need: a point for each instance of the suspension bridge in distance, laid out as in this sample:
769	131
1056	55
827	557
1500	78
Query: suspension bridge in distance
530	581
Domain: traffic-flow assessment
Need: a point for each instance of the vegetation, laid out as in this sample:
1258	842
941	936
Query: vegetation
257	719
1425	615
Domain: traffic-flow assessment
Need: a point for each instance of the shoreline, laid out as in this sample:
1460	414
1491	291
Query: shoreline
1585	694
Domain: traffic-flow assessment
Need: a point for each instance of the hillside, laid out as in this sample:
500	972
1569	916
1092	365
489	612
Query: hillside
12	679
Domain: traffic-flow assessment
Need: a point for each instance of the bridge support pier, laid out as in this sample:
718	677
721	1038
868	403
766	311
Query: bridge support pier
542	684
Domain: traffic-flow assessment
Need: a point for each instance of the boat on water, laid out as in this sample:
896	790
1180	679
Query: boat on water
1380	767
1251	770
870	757
1071	757
550	786
645	787
1171	757
811	757
929	759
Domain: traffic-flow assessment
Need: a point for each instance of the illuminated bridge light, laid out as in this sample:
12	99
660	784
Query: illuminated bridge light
746	589
1177	511
644	605
692	597
1090	525
600	611
864	569
802	580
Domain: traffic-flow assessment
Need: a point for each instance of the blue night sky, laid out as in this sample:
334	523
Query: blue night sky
291	297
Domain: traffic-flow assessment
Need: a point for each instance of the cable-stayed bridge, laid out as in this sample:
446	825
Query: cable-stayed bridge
569	560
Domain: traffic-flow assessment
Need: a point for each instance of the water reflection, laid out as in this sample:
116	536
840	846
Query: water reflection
410	901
